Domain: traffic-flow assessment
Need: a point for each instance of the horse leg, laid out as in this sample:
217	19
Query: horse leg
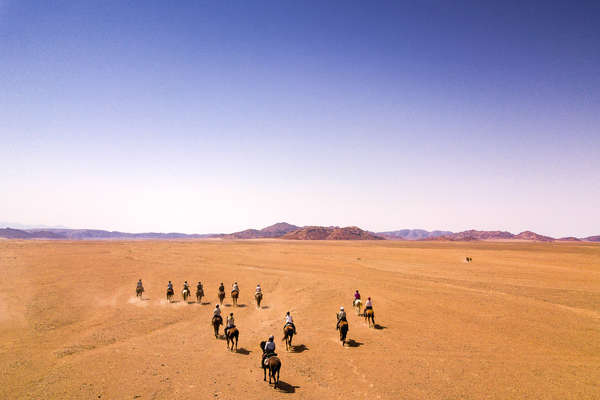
264	372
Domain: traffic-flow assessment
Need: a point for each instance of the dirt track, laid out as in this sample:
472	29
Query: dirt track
521	321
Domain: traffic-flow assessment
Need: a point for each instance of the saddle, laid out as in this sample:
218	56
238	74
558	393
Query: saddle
267	356
218	318
170	291
235	291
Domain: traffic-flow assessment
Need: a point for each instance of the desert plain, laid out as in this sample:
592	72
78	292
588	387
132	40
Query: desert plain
522	321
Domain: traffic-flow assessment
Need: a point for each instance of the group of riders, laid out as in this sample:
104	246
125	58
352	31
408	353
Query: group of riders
341	315
269	347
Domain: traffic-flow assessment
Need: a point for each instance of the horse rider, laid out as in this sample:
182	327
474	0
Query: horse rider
217	311
199	287
221	287
230	323
356	296
289	321
269	350
341	316
235	287
139	285
258	288
169	286
368	305
186	287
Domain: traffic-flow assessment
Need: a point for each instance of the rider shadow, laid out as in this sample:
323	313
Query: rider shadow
243	351
300	348
353	343
379	327
286	387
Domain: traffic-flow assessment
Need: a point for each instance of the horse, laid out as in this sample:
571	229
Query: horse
273	364
221	296
288	334
234	297
199	295
258	297
343	331
357	305
217	321
185	293
232	334
370	317
170	294
138	291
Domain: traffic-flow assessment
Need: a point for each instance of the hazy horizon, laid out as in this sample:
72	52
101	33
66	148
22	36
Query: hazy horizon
202	117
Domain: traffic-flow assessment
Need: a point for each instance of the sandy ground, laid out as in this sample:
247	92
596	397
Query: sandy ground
522	321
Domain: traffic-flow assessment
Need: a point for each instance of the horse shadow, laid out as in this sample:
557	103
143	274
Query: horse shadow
379	327
353	343
175	301
192	302
242	305
205	303
243	351
145	299
264	307
285	387
227	305
300	348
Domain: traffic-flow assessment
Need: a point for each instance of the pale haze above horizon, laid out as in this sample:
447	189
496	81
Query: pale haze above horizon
207	117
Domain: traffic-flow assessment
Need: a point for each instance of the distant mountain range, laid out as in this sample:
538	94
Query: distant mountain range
287	231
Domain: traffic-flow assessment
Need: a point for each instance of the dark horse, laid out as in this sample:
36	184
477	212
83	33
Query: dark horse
232	334
288	334
343	331
138	291
170	294
217	321
221	296
370	317
258	296
199	295
273	364
234	297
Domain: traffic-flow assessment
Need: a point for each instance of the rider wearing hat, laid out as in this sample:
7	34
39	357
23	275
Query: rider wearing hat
341	316
268	350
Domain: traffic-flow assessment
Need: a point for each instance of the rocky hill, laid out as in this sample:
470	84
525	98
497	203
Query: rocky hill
274	231
528	235
331	233
412	234
592	238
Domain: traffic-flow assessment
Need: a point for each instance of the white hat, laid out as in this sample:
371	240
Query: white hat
342	308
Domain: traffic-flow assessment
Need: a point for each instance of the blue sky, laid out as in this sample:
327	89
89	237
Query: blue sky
218	116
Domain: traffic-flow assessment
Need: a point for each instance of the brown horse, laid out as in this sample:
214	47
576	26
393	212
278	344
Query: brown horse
170	294
234	297
221	296
199	295
370	317
343	332
288	334
232	334
185	293
258	297
217	321
273	364
139	291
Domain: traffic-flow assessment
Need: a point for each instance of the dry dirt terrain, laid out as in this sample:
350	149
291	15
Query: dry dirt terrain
522	321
